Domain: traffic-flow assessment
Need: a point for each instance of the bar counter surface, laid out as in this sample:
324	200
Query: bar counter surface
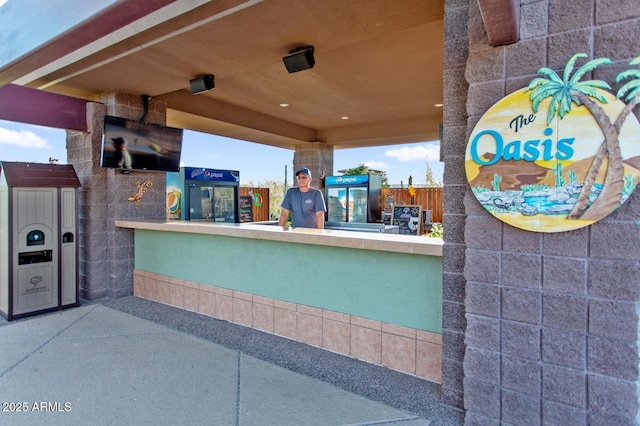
408	244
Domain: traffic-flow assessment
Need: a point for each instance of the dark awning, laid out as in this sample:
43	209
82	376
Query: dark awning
39	175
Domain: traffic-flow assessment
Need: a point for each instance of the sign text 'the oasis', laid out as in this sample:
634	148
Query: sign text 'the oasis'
530	150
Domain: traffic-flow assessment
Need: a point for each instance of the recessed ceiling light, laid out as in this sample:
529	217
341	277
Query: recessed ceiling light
344	117
284	105
438	105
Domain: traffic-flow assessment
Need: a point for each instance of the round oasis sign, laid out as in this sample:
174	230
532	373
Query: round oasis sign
560	154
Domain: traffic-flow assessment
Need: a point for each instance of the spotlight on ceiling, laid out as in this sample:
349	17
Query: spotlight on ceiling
299	59
202	84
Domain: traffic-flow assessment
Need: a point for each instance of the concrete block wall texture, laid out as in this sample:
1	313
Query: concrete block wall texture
83	151
456	46
107	252
551	331
315	156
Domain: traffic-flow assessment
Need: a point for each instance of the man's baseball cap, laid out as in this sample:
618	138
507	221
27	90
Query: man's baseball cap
305	171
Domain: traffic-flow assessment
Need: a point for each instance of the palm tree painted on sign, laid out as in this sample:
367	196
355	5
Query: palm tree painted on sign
570	90
631	89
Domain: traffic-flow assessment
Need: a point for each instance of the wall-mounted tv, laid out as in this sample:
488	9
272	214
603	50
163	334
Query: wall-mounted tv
131	145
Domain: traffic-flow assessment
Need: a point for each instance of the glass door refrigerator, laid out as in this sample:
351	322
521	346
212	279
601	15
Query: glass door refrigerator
355	198
199	194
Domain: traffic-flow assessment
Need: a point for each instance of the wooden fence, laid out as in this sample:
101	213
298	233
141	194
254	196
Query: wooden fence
429	198
260	196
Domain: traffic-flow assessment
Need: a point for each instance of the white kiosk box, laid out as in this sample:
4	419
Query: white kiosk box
38	238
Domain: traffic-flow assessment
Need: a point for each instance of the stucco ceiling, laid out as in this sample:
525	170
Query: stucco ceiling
378	62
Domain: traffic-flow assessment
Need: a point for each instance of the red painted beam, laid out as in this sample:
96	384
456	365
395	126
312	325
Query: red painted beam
501	20
33	106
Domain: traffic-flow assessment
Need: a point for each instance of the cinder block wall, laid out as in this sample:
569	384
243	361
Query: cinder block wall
456	50
550	321
107	252
315	156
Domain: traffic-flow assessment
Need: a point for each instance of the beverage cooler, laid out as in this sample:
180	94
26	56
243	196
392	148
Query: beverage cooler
356	198
199	194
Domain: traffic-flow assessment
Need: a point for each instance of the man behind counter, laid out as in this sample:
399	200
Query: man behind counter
305	203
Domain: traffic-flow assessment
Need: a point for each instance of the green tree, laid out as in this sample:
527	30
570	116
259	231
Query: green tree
566	91
363	169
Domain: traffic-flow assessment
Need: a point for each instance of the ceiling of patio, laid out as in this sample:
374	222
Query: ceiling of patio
378	62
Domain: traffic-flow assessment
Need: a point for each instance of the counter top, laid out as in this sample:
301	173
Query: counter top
409	244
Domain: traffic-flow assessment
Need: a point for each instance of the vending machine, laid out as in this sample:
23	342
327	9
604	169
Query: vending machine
355	198
39	242
200	194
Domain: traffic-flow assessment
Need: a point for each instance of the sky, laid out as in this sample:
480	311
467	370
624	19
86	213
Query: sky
256	162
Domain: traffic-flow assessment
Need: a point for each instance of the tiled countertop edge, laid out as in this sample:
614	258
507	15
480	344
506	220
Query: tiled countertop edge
408	244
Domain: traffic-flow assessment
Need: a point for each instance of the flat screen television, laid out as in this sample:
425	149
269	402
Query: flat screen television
131	145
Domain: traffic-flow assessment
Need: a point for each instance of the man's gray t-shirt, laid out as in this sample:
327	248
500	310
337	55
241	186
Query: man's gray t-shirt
304	206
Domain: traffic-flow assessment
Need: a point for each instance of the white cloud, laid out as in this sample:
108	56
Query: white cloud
377	165
413	153
23	139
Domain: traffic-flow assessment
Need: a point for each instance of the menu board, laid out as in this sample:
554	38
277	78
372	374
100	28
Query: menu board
408	219
246	208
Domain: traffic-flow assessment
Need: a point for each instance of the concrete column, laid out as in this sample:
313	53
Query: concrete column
317	157
107	252
455	186
551	319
